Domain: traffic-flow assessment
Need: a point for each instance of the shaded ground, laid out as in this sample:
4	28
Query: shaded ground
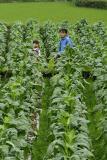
40	146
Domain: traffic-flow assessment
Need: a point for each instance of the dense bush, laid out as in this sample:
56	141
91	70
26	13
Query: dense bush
92	3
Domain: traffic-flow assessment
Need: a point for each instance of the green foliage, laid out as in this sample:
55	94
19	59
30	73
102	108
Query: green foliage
19	98
3	45
68	111
66	116
92	3
49	36
67	128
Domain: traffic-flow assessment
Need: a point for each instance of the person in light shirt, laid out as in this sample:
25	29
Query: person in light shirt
36	48
64	41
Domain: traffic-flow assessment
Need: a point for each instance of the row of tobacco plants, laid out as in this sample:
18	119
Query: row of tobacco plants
20	95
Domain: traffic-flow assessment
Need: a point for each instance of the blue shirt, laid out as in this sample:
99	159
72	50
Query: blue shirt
64	42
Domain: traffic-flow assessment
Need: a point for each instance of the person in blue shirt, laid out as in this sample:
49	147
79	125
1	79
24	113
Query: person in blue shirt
65	40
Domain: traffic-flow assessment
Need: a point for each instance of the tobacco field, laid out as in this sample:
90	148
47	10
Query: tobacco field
53	109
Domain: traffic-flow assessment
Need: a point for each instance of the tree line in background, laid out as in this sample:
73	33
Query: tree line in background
81	3
91	3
